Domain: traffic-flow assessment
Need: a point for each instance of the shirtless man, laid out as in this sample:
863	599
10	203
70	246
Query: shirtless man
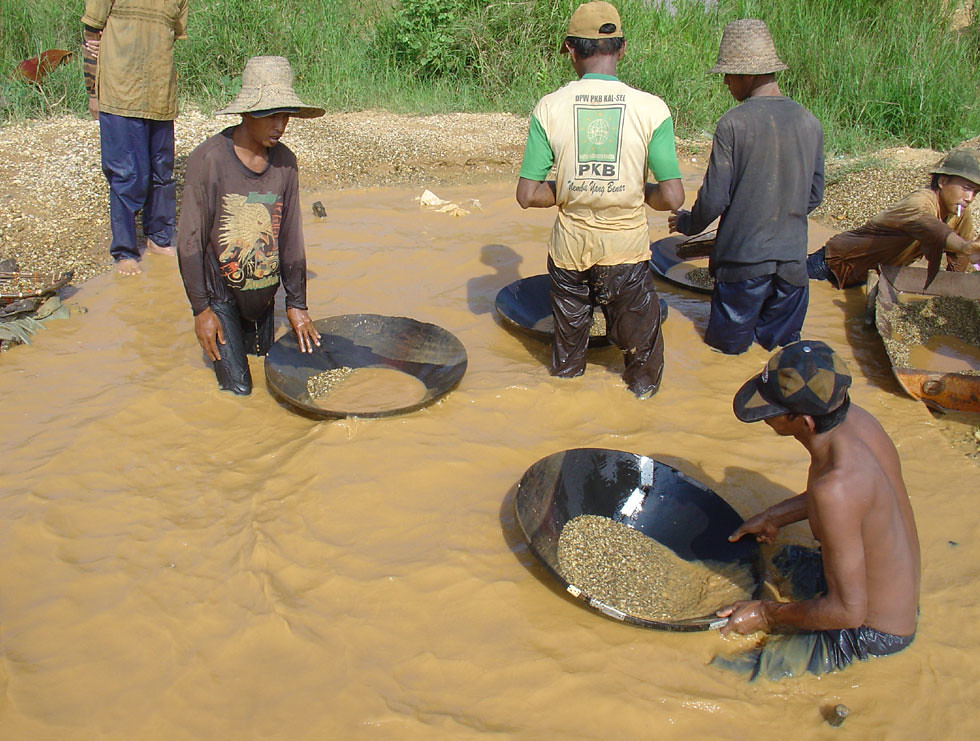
858	509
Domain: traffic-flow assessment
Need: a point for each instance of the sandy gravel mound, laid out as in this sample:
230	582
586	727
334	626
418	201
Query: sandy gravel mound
54	200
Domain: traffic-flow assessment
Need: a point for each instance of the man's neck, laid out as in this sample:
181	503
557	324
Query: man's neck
765	89
251	153
599	64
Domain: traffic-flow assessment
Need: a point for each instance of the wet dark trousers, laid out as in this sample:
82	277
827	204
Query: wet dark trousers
627	297
138	162
242	337
767	309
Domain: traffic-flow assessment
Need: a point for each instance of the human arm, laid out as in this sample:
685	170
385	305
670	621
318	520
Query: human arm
714	195
667	194
536	193
817	184
193	234
292	253
180	28
533	190
840	515
766	524
92	38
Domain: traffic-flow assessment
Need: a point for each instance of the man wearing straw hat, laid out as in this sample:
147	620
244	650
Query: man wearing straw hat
240	232
132	86
604	138
864	601
926	223
764	176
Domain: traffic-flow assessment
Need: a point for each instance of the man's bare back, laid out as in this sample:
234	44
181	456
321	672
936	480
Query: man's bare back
860	474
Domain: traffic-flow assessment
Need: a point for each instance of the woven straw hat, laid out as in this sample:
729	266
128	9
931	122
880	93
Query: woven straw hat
747	49
267	84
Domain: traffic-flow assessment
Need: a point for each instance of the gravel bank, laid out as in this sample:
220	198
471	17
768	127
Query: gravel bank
54	200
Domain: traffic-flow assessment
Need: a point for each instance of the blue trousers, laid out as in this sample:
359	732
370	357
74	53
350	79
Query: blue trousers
767	309
138	162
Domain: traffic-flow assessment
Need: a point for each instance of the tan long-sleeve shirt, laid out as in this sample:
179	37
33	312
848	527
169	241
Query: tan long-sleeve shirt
136	76
899	235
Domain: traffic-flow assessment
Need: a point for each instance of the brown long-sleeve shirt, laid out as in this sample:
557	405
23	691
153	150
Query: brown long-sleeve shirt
239	230
899	235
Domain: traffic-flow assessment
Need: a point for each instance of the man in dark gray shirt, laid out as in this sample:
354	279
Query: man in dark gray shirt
764	176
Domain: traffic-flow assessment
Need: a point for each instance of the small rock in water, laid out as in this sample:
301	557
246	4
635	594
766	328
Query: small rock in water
318	210
837	715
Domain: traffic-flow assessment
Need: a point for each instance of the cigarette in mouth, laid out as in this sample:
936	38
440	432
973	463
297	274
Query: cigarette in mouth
959	209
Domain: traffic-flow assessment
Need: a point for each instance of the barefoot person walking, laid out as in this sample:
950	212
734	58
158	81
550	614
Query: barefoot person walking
240	231
129	44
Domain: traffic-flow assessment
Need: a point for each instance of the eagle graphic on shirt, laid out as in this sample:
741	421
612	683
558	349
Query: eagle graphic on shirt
249	238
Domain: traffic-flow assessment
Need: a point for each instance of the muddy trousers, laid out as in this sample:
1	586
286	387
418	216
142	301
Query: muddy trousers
242	338
138	163
626	295
767	309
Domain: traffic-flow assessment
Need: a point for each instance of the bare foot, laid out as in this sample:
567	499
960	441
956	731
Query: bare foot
157	249
128	266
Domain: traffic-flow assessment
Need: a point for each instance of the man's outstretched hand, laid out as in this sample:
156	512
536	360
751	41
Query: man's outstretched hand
306	334
744	617
760	526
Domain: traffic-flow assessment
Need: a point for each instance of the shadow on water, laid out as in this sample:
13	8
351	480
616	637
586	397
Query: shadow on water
480	291
865	342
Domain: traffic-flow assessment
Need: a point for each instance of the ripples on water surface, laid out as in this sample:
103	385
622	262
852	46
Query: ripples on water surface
182	563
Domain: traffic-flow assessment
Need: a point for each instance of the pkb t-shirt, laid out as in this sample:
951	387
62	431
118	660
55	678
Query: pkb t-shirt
605	138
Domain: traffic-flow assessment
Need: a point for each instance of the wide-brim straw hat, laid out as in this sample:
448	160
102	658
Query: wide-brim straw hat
267	84
961	162
747	49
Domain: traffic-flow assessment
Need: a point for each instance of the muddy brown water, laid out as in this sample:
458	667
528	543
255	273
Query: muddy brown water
179	562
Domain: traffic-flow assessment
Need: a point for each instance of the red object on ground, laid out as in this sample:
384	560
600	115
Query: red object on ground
35	68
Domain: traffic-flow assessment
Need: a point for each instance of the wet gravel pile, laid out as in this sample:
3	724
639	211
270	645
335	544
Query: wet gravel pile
623	568
916	322
54	202
321	384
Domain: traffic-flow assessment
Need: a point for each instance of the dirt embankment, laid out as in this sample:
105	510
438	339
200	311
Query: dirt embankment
54	199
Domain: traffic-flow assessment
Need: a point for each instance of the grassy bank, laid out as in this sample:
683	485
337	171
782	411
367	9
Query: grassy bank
876	72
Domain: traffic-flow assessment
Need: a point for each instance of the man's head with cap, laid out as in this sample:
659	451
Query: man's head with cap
594	27
803	378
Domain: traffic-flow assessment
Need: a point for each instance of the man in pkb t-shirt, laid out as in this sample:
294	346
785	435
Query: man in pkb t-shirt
603	137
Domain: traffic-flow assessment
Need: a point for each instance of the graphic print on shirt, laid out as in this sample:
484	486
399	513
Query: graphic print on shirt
598	140
249	238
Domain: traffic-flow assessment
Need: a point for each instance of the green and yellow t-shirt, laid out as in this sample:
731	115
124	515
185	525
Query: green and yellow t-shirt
604	138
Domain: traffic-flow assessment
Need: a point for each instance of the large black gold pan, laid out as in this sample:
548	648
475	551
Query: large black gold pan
672	258
671	508
430	353
525	305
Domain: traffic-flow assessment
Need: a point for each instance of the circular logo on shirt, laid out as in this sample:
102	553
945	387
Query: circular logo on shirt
598	132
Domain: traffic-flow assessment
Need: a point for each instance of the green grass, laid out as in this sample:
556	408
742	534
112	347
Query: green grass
876	72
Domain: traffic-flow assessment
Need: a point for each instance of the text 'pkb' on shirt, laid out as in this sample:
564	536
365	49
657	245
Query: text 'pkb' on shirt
603	137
